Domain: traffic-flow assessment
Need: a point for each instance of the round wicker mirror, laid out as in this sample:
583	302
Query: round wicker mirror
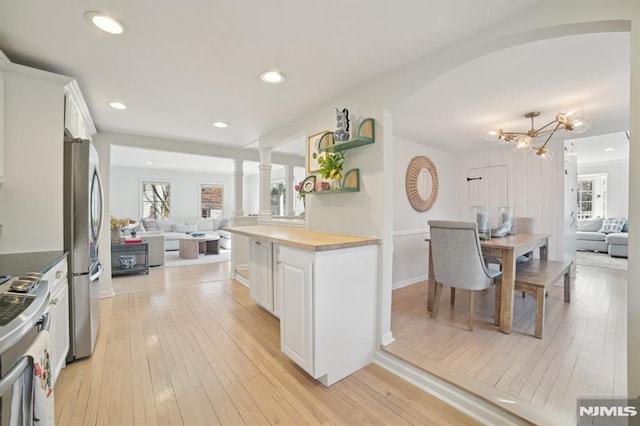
421	183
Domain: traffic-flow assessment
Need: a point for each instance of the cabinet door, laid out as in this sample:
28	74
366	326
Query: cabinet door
265	282
254	269
277	282
296	312
59	329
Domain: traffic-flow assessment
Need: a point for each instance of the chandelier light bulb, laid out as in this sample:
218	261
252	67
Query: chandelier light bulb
582	124
569	113
544	154
490	135
523	142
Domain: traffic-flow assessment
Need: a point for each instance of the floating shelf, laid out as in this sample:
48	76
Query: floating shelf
365	136
350	183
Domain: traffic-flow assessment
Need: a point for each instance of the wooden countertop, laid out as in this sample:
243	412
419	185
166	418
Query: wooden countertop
302	238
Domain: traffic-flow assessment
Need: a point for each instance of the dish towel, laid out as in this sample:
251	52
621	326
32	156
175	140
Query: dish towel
43	409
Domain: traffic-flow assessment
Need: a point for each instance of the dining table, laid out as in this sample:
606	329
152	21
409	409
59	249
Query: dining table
507	249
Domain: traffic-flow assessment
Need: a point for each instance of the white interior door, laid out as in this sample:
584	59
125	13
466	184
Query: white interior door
488	186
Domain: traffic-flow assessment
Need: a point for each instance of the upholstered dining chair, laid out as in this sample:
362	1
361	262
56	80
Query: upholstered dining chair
458	262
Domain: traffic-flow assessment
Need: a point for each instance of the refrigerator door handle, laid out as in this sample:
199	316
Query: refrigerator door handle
98	272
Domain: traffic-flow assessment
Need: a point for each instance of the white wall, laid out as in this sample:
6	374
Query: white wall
410	251
31	204
617	184
185	191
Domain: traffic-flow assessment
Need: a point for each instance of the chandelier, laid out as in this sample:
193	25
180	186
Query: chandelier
571	119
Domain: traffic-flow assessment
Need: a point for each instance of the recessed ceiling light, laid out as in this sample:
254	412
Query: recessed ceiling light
117	105
609	149
105	22
149	163
274	77
220	124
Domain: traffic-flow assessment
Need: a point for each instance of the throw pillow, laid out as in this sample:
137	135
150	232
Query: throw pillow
165	225
150	225
184	229
205	225
590	225
612	225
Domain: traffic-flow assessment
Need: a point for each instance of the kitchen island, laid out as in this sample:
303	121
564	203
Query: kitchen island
324	289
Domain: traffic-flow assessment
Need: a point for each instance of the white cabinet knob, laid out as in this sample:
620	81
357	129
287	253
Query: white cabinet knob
60	274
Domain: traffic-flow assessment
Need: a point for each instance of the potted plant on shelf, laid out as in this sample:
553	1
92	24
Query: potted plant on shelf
331	167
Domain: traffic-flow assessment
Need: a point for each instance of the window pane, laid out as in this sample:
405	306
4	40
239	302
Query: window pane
155	200
211	200
278	199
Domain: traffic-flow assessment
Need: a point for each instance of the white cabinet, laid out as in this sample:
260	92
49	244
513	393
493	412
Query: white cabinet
59	310
296	315
77	121
263	285
328	313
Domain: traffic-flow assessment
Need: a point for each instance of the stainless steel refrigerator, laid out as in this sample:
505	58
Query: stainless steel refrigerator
83	217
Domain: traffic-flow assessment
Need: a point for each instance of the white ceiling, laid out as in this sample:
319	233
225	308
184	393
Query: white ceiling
495	91
181	66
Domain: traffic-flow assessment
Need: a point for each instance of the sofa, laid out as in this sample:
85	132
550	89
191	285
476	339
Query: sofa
174	230
603	235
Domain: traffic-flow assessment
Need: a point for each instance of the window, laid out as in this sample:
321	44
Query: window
156	200
278	199
211	200
592	196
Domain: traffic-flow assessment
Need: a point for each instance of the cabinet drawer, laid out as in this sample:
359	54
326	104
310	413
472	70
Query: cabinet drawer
57	275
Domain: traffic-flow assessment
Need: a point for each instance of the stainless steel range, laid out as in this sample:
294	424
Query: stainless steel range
23	301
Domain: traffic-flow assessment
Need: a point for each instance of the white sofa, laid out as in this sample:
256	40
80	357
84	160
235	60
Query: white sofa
592	237
174	230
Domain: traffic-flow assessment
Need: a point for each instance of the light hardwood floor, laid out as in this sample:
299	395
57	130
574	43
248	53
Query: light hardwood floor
582	353
186	346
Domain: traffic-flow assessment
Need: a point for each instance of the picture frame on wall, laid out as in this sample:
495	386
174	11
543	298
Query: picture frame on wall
313	154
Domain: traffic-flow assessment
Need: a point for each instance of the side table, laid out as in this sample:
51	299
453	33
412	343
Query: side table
140	251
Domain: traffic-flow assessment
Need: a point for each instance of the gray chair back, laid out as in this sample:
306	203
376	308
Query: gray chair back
457	256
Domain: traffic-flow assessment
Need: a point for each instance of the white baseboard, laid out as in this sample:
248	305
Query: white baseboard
241	279
408	281
106	293
471	405
387	339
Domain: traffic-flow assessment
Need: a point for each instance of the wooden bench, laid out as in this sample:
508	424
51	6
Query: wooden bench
535	277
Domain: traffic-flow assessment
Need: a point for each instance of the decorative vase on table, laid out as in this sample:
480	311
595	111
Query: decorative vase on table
482	216
116	236
508	214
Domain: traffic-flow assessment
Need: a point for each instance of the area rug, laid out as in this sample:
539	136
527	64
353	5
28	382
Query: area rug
172	259
600	260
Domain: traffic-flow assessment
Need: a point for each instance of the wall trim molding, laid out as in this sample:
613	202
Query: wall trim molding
471	405
409	281
410	232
